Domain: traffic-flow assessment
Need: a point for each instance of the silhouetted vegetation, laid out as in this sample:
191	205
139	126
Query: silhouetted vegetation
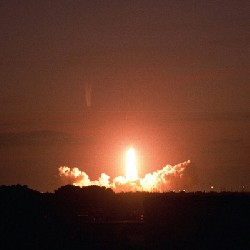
97	218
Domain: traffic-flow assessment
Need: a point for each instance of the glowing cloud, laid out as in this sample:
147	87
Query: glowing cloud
166	179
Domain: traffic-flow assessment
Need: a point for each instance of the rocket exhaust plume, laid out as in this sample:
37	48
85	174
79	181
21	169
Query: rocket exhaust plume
131	171
166	179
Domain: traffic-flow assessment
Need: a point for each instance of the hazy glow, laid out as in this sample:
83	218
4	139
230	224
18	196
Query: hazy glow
166	179
131	168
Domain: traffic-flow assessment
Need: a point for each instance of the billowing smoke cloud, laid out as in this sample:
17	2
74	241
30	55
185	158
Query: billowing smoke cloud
166	179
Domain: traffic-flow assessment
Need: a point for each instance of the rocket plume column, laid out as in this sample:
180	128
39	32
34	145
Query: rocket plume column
131	171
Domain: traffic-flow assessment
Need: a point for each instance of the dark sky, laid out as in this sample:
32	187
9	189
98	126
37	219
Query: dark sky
169	77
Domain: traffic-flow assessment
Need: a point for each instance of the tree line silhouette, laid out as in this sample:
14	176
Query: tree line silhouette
97	218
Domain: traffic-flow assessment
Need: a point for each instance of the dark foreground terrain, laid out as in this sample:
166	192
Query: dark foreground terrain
97	218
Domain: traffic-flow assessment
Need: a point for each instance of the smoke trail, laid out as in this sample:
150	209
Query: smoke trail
166	179
88	92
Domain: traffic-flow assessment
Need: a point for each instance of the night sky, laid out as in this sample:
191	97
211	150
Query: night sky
170	78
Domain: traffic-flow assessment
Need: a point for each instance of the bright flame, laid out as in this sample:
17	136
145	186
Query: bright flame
131	171
166	179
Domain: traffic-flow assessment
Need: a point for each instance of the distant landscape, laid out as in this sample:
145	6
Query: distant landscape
97	218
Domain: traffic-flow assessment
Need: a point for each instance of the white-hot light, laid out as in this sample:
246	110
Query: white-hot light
131	169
